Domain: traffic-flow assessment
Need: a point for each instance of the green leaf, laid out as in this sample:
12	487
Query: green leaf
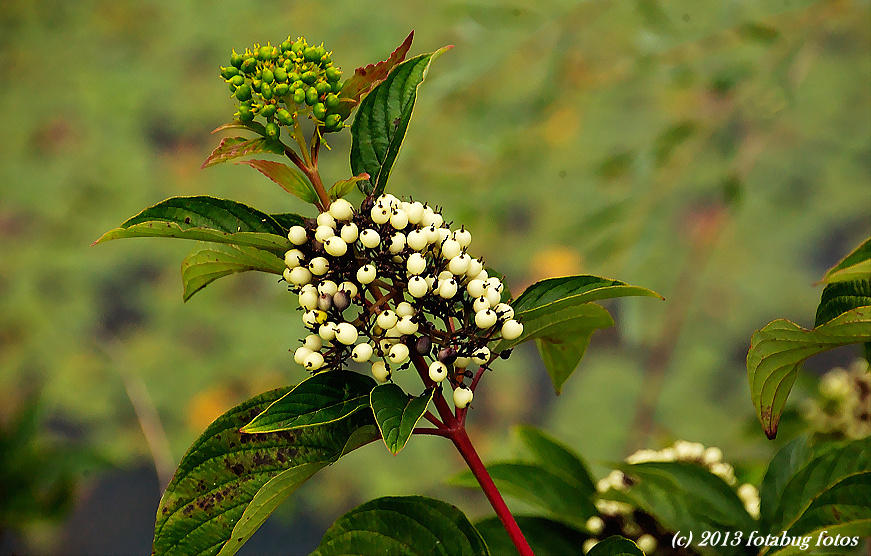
785	463
686	496
229	482
407	525
290	179
834	487
559	497
366	77
396	414
576	290
201	268
855	266
343	188
235	147
382	120
207	219
860	528
615	546
545	536
840	297
323	398
287	220
256	127
555	456
777	350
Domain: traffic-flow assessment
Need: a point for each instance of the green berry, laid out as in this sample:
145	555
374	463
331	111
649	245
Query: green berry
308	77
333	122
280	75
286	45
323	87
299	96
237	80
268	111
333	74
267	76
245	113
281	89
255	84
283	117
272	130
298	46
266	91
311	54
236	59
332	101
292	76
249	65
266	52
311	96
337	86
243	92
319	111
229	72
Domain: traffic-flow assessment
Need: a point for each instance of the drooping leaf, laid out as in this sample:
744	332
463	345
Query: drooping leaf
777	350
201	268
534	484
615	546
785	463
207	219
235	147
686	496
343	188
290	179
366	77
396	414
545	536
382	120
229	482
840	297
855	266
827	490
556	457
407	525
576	289
323	398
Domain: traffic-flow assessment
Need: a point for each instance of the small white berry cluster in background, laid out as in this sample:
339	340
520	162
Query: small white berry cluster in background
620	516
843	408
391	282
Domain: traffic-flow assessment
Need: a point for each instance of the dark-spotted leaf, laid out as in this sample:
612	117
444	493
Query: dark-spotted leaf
534	484
206	219
290	179
229	482
235	147
323	398
777	350
555	456
343	188
396	414
366	77
615	546
855	266
382	120
201	268
545	536
406	525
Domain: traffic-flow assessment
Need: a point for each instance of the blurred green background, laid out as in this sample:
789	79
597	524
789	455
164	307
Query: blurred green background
717	152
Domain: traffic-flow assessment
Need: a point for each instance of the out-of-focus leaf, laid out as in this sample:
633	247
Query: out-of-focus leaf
235	147
344	187
382	120
366	77
788	460
207	219
556	457
670	139
777	350
290	179
323	398
229	482
615	546
545	536
407	525
559	497
201	268
396	414
855	266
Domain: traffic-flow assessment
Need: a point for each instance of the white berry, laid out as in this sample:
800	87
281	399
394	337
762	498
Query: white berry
447	288
380	372
463	237
349	233
398	353
327	331
417	240
406	326
485	319
322	233
293	258
459	264
511	330
326	219
349	288
362	353
399	220
318	266
450	249
405	309
415	212
313	342
328	287
300	276
366	274
380	214
417	286
387	319
481	355
300	354
476	288
480	304
308	299
397	243
462	397
335	246
494	296
438	371
370	238
346	333
504	311
416	263
297	235
314	361
340	209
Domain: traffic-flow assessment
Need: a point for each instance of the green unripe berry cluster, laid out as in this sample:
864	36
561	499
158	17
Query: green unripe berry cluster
276	82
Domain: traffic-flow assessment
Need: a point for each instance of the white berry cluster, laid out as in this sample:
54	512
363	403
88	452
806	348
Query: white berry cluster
392	281
843	408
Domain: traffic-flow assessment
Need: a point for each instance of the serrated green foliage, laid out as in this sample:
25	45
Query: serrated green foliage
201	268
556	457
686	496
343	188
545	536
397	414
855	266
290	179
366	77
229	482
785	463
553	493
408	525
236	147
382	120
840	297
832	488
777	350
207	219
615	546
323	398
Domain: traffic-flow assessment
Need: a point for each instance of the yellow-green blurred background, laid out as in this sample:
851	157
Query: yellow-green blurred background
716	151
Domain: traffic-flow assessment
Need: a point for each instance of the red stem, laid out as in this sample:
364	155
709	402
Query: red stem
464	446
